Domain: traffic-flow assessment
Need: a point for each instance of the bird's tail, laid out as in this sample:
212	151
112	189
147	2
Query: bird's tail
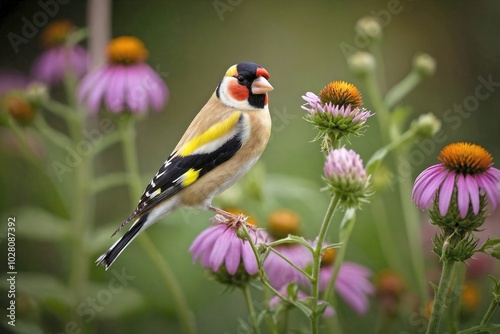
114	251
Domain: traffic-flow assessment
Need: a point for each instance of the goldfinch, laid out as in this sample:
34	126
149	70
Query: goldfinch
220	145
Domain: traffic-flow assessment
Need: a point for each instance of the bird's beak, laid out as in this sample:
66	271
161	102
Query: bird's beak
261	86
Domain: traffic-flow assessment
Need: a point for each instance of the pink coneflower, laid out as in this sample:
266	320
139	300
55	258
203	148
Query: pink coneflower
59	58
126	82
222	251
336	112
464	175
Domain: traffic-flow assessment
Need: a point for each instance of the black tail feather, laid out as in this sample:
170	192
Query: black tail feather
112	253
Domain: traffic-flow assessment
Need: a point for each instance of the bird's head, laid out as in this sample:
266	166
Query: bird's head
245	87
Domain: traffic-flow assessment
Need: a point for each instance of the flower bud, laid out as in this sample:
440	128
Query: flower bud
362	63
427	125
424	65
37	93
282	223
346	177
370	27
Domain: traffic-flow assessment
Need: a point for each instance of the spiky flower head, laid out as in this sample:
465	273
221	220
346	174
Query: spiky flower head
336	112
346	177
459	188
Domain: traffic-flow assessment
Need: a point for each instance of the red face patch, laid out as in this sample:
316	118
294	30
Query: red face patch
262	72
238	92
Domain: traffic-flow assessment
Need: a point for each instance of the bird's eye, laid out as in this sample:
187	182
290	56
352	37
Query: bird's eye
241	79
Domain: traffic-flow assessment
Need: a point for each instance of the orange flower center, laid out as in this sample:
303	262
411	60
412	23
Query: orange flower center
19	109
466	158
328	257
56	33
283	222
341	93
126	50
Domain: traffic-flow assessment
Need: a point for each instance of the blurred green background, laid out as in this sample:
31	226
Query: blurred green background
299	43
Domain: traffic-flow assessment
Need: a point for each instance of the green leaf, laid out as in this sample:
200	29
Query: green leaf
376	160
37	224
347	222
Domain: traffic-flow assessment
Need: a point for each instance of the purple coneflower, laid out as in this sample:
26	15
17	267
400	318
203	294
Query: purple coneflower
463	177
59	57
126	82
336	112
222	251
346	177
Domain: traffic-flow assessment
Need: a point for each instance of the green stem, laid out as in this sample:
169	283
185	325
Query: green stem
455	297
413	233
339	257
317	261
23	144
401	89
440	297
381	110
128	135
263	276
384	233
489	312
55	137
251	310
410	215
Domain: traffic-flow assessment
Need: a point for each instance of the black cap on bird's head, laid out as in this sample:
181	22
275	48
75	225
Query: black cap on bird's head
245	86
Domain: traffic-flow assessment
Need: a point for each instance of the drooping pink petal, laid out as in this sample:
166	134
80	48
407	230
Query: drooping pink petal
445	194
96	94
233	256
490	187
88	82
220	248
473	188
156	89
358	301
430	188
114	98
248	258
199	245
462	195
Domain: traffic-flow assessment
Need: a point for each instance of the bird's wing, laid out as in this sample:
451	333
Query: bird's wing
196	157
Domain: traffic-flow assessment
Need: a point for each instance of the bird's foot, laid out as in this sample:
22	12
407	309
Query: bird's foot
228	217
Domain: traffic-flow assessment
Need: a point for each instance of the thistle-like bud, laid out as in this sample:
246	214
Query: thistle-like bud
346	177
